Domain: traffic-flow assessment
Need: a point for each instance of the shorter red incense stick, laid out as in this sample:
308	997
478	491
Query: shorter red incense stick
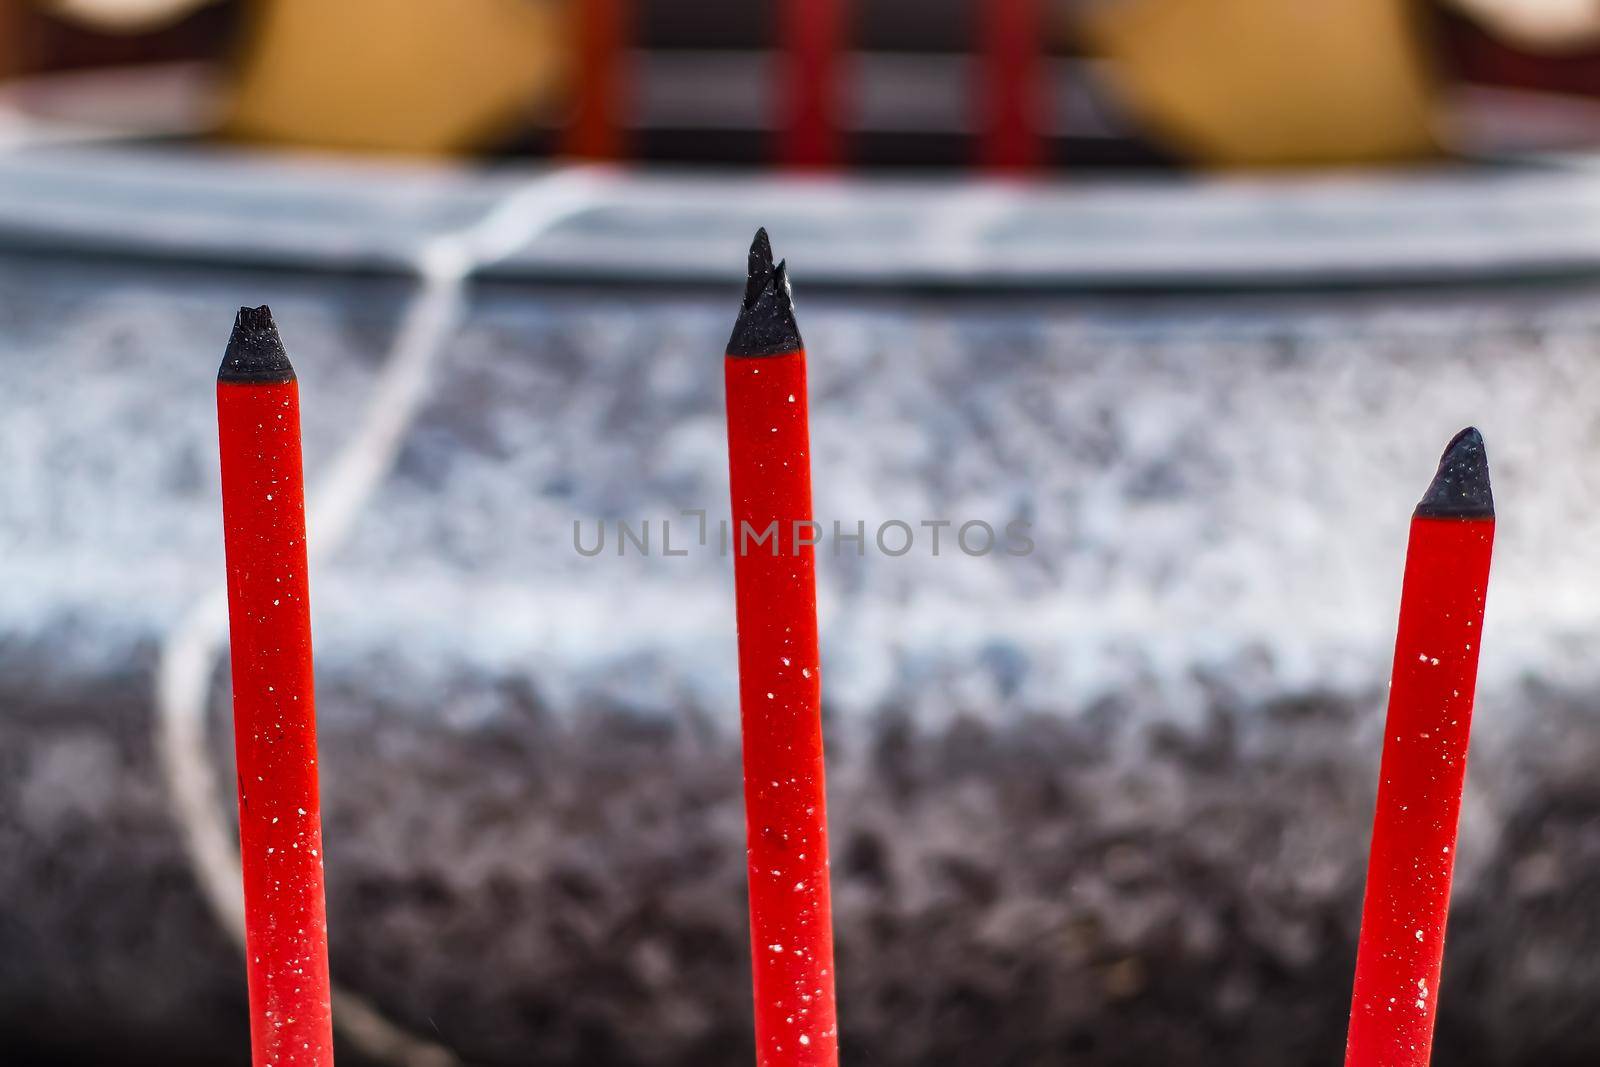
811	36
600	71
780	689
274	721
1424	764
1013	98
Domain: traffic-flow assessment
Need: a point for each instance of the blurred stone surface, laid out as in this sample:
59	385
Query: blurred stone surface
1106	803
1513	222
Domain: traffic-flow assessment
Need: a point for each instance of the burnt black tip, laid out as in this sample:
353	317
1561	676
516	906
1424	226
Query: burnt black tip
1461	488
761	268
255	351
766	325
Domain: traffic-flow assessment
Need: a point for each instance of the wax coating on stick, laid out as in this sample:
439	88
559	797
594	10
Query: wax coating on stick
769	455
1412	861
275	745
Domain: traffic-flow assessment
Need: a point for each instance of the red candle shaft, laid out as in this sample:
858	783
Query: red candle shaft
791	929
601	33
280	822
1419	794
811	36
1012	94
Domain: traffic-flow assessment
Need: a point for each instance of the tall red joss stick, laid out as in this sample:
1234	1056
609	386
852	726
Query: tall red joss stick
780	687
601	36
1013	98
1424	764
811	38
274	721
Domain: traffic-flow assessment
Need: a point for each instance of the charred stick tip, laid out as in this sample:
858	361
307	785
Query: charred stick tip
766	324
1460	489
255	352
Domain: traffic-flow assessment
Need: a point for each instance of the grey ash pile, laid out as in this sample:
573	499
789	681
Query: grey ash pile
1103	804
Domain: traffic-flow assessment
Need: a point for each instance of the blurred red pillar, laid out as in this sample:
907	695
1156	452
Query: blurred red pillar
1013	101
600	79
811	39
10	38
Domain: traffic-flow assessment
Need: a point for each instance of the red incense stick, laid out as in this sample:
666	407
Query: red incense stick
274	722
1424	765
811	35
786	822
1013	98
602	31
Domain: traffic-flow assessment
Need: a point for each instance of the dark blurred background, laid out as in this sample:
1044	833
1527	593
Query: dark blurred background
1243	269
